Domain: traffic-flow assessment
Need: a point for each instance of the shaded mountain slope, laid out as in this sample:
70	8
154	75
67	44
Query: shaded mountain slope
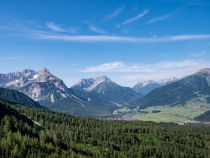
105	89
14	96
179	92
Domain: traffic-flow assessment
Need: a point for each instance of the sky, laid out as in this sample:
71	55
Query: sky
128	41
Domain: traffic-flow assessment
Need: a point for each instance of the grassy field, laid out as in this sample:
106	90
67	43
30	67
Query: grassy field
176	114
169	114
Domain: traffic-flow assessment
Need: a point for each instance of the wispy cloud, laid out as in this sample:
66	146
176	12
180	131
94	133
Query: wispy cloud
57	28
133	19
122	39
94	28
114	14
160	18
199	54
57	36
168	15
119	66
155	71
106	67
97	30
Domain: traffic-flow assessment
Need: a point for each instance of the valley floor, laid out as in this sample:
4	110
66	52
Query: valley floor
176	114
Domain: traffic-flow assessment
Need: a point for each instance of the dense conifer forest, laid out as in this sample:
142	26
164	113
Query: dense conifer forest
32	132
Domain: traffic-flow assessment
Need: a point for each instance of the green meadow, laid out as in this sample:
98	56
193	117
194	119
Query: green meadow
175	114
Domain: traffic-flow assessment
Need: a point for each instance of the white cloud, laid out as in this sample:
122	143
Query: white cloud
199	54
160	18
106	67
97	30
87	38
119	66
114	14
189	37
49	35
141	15
132	73
57	28
121	39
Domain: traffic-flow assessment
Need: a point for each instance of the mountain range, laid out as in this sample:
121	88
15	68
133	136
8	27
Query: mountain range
100	96
194	87
104	88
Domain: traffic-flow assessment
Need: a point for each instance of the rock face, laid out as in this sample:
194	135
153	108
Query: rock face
90	83
179	92
41	85
104	88
84	99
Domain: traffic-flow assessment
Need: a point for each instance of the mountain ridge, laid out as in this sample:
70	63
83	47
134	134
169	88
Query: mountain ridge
179	92
16	97
106	89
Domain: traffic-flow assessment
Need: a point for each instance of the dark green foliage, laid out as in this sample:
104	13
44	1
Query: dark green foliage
16	97
204	117
177	93
208	99
6	110
61	135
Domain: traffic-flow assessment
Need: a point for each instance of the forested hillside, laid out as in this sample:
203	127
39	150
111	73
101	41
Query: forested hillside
51	134
16	97
204	117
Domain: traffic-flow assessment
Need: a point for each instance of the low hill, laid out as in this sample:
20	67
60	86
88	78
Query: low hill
16	97
6	110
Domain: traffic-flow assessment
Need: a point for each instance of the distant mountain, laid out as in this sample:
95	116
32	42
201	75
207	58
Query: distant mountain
145	87
39	86
180	92
14	96
90	83
52	92
105	89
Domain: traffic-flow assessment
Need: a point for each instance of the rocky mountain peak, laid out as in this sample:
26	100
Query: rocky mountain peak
89	84
44	75
102	79
205	71
44	71
28	72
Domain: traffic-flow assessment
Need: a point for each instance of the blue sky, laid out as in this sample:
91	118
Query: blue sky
129	41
